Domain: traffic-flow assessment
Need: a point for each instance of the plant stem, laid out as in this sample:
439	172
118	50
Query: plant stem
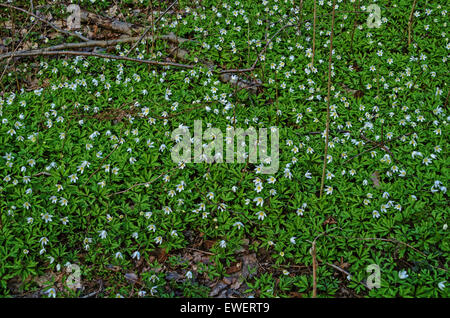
328	101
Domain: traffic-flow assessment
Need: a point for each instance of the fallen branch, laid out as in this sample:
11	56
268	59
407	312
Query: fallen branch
105	56
108	23
99	43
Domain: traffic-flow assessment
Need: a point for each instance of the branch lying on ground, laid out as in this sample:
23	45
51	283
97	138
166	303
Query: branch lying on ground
106	56
109	23
98	43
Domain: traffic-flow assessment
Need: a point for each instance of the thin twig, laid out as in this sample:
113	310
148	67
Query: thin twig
410	22
142	184
301	15
42	173
314	34
313	253
200	251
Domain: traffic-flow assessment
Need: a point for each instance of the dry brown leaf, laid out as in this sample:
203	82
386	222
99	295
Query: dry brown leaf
234	268
376	179
329	220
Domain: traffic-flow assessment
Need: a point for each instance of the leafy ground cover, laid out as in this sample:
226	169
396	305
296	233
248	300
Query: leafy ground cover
87	176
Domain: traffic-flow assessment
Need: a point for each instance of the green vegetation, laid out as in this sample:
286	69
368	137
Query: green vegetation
86	175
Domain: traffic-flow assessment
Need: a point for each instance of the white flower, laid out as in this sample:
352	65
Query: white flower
441	285
259	201
51	292
73	178
261	215
136	255
403	274
238	225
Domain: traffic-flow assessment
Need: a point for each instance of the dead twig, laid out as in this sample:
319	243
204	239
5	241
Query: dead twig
99	43
105	56
42	173
142	184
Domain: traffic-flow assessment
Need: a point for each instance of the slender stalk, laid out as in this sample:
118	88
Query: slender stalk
300	13
314	34
313	252
328	101
410	22
355	22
